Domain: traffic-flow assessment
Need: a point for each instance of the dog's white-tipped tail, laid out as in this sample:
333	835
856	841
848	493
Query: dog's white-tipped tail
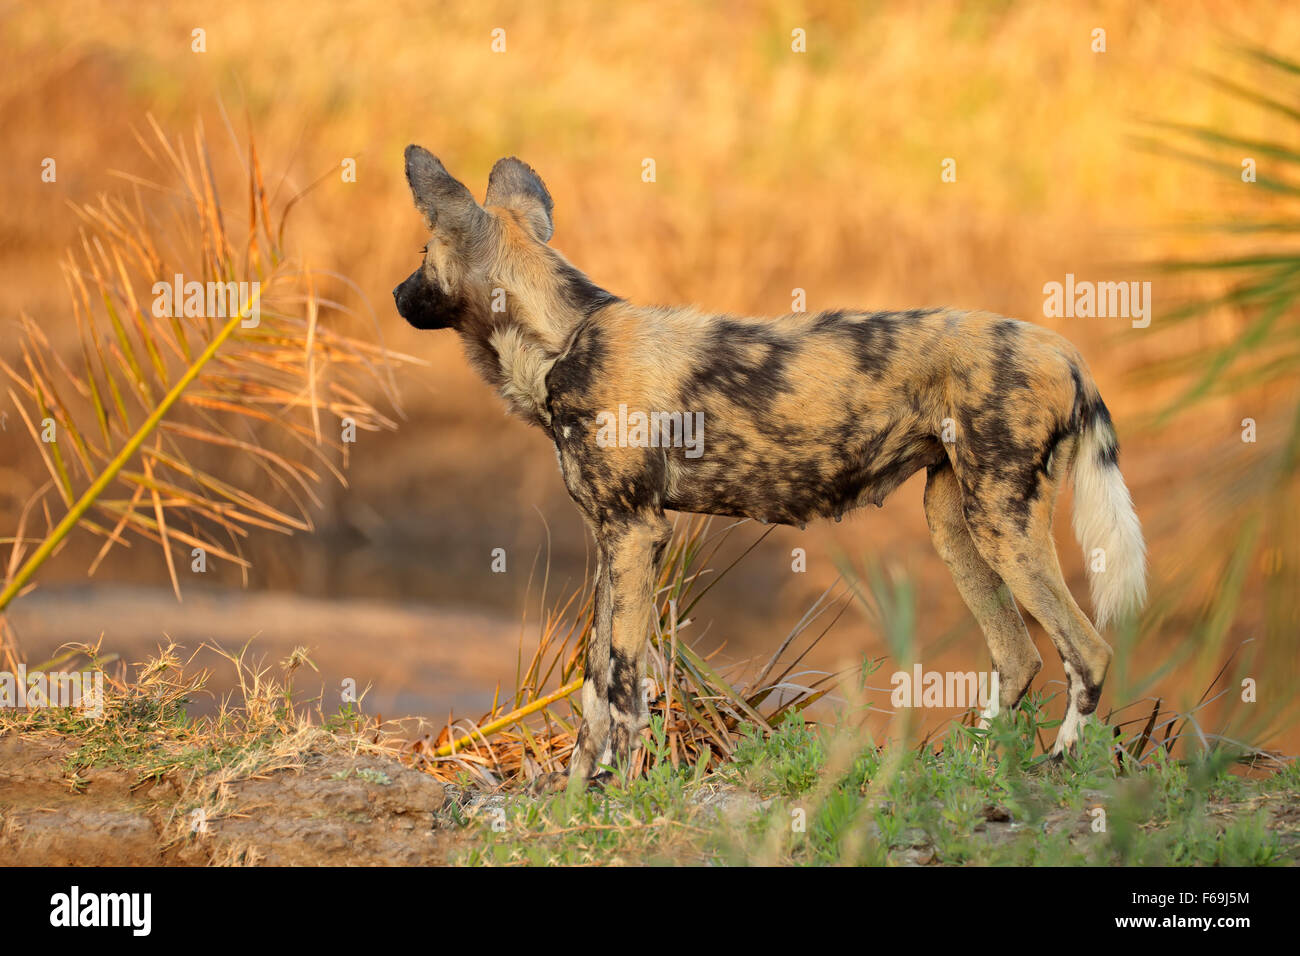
1105	523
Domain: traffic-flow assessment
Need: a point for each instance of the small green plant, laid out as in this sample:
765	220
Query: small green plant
786	762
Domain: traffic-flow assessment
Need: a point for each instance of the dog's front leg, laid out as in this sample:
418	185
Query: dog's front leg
614	709
593	737
634	561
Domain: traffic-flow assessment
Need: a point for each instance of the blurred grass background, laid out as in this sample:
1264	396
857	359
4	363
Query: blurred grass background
775	170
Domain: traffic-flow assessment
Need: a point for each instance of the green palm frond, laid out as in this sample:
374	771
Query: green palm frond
190	426
1264	282
1250	498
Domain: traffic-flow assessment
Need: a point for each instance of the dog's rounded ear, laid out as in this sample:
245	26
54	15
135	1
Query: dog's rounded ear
446	204
514	185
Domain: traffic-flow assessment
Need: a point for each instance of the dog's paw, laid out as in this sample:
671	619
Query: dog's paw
548	783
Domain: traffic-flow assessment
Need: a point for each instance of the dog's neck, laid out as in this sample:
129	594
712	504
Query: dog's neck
513	340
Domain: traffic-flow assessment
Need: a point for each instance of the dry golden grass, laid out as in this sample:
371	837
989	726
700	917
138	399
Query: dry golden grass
143	729
159	386
701	709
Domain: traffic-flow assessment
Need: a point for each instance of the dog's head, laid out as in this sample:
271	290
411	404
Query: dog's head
476	255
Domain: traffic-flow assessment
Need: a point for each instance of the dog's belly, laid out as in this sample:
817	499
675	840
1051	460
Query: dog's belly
793	486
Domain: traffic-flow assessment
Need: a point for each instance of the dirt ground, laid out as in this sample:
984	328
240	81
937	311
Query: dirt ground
372	811
337	811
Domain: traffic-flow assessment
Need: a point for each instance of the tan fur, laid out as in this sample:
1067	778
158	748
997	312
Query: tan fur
523	370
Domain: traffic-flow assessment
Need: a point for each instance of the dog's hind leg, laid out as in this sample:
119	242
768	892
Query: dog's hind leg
1017	543
1015	659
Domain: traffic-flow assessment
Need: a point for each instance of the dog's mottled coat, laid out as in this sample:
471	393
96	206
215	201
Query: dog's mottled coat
805	416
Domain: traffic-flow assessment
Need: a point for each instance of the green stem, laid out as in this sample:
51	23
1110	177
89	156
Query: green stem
106	477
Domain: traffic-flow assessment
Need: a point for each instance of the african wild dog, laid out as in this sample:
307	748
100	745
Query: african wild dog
805	416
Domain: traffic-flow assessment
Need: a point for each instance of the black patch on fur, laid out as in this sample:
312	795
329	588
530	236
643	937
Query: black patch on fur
993	451
581	293
1109	452
829	320
570	379
727	366
1008	372
1078	412
876	338
874	335
623	689
1059	434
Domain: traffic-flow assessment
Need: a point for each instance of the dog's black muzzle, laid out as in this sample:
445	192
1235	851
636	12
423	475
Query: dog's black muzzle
423	304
